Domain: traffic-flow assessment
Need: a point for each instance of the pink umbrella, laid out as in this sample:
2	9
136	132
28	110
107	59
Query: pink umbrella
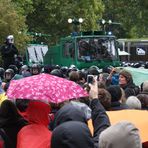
45	87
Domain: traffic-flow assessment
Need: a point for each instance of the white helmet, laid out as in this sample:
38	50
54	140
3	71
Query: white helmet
10	39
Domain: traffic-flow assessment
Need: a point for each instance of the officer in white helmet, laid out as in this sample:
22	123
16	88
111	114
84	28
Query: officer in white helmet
9	52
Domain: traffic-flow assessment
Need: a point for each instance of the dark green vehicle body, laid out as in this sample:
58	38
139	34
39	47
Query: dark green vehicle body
84	51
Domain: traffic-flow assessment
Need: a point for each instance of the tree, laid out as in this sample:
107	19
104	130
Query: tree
51	16
11	22
131	13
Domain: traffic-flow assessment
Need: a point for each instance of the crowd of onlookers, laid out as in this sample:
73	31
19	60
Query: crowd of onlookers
74	124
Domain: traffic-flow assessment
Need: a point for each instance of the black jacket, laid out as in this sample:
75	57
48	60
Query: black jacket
131	89
7	52
99	118
118	106
68	113
72	134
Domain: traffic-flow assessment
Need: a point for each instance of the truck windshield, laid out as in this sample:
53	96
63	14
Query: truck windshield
96	48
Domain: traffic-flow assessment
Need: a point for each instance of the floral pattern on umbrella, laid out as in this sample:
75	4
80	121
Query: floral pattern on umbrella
45	87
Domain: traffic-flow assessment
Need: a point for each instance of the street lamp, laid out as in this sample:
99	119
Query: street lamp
106	25
69	20
75	23
103	21
81	20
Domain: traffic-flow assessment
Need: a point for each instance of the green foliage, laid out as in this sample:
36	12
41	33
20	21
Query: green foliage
131	13
51	16
11	22
23	6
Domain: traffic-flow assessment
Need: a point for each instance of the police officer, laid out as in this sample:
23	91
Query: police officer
8	52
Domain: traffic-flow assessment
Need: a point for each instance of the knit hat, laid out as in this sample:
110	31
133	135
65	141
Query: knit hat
126	74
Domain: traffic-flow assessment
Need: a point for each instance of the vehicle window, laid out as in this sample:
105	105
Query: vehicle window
90	49
68	49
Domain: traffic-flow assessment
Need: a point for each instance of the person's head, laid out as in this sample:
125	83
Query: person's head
115	92
82	76
72	134
15	69
144	101
38	112
133	102
93	70
8	112
35	69
64	70
10	39
83	107
145	86
24	68
74	76
48	68
124	77
69	112
105	98
9	74
121	135
57	72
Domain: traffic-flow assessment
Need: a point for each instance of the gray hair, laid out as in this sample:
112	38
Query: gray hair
133	102
123	134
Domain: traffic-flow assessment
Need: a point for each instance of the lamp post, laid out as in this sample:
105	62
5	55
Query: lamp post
106	25
75	23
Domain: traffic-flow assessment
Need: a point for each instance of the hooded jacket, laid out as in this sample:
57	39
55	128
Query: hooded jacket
121	135
99	117
69	113
72	134
36	134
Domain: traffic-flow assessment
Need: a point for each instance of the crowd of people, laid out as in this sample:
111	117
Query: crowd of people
74	124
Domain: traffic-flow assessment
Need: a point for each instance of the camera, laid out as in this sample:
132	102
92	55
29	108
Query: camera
90	79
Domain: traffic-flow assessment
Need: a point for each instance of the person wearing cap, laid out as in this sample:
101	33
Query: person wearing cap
126	82
9	52
8	75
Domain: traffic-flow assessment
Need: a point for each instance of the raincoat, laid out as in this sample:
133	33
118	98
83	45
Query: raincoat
36	135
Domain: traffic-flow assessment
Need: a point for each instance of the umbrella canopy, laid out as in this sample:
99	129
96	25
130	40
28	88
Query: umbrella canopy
137	117
45	87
